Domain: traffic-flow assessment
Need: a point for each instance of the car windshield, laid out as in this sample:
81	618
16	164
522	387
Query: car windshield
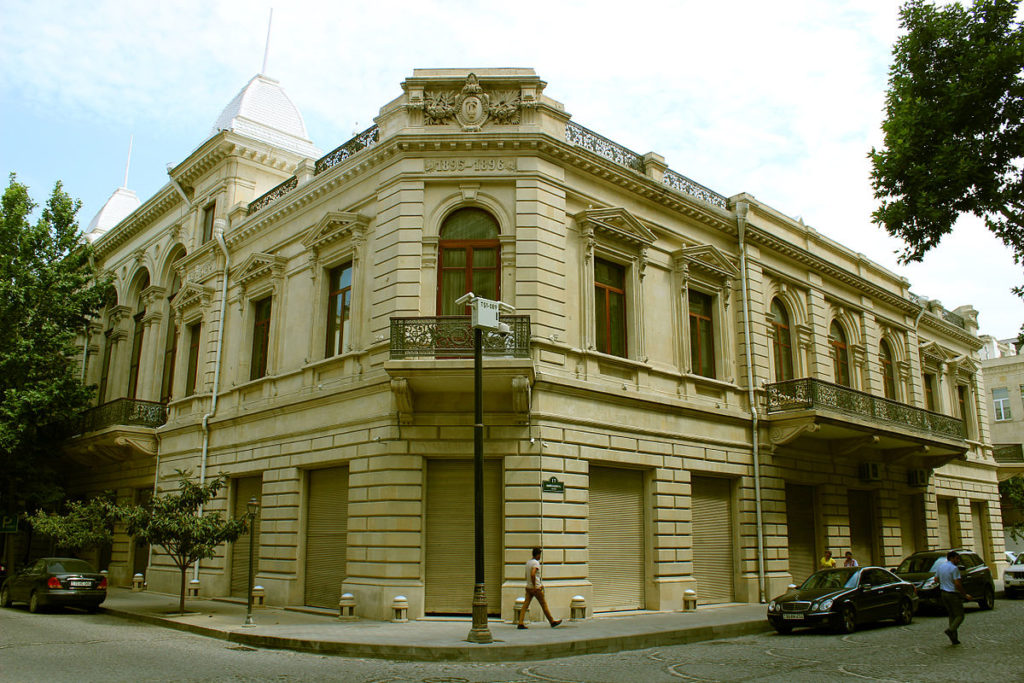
67	566
1020	559
917	564
832	578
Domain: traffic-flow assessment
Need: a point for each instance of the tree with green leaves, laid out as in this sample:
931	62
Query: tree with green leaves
1012	493
48	293
84	525
954	125
178	523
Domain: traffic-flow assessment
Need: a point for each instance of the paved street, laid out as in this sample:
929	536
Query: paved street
73	646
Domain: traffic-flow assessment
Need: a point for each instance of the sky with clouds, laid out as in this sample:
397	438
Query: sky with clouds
781	100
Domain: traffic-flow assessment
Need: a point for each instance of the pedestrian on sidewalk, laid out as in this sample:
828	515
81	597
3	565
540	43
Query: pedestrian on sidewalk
827	562
535	589
952	593
849	561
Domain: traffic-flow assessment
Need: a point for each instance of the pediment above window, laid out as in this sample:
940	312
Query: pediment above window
706	260
334	226
258	266
936	353
615	224
191	295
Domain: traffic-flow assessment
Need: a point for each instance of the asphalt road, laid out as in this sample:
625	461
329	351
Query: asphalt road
74	646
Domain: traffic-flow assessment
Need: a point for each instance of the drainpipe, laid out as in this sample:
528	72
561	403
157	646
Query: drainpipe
741	224
218	234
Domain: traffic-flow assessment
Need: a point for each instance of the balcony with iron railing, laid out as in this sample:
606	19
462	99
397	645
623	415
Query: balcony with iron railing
123	411
821	411
452	337
118	430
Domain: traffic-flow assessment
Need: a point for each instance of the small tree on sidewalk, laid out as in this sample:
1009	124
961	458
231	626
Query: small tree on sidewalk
87	524
174	522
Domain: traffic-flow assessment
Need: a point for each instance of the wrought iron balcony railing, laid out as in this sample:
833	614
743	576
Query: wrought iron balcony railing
452	337
815	394
272	195
1010	454
123	411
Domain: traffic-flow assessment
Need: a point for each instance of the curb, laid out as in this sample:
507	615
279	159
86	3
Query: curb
494	652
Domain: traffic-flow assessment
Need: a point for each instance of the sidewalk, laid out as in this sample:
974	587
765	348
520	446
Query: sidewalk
435	639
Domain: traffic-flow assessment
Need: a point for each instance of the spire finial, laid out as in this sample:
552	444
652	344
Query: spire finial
266	50
128	163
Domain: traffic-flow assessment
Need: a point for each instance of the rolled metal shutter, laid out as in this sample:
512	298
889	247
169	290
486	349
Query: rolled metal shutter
326	536
449	574
910	525
245	488
945	523
862	529
978	519
712	539
616	564
800	522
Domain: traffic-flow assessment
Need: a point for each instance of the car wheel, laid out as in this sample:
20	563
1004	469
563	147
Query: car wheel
905	613
849	622
988	599
5	597
33	603
783	629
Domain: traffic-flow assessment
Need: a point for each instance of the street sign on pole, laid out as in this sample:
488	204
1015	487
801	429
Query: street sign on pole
8	524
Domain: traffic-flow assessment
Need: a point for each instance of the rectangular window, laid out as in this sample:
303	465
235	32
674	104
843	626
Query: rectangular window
105	369
929	391
702	334
1001	402
133	368
195	332
208	212
339	305
610	307
961	401
260	338
170	353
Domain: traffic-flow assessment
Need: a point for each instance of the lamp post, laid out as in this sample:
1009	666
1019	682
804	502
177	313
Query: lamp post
484	317
253	507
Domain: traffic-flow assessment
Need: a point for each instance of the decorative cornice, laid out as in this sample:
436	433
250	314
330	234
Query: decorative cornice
256	266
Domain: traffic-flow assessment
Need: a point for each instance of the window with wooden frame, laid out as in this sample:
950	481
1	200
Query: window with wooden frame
840	354
260	337
469	258
195	335
888	372
929	392
138	334
171	343
782	341
339	309
702	334
610	307
209	212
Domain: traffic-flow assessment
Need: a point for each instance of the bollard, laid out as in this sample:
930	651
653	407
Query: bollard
137	582
577	608
347	607
517	610
193	588
258	595
689	600
400	608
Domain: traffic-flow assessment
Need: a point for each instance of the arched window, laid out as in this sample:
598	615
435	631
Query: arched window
888	376
840	354
782	343
171	344
108	343
138	332
469	259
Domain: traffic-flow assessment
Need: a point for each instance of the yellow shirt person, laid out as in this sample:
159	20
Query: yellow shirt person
827	562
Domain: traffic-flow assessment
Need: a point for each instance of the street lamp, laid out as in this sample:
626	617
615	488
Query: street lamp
484	317
253	507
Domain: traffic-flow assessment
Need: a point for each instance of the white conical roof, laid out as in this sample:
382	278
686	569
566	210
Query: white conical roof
117	208
263	111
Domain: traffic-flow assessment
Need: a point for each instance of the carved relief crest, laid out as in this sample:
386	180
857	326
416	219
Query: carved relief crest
471	107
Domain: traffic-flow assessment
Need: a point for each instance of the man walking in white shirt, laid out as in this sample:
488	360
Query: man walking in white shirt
535	589
952	593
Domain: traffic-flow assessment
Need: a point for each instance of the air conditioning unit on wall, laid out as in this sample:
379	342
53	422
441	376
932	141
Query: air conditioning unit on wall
870	471
918	477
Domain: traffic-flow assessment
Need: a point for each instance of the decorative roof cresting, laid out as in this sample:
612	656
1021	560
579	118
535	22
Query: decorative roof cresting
262	111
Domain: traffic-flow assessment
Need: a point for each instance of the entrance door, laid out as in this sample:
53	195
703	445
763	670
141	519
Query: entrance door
910	524
616	563
979	522
326	536
862	527
712	539
450	570
949	531
802	530
245	488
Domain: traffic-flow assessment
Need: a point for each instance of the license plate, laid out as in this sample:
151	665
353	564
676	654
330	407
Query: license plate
795	617
80	584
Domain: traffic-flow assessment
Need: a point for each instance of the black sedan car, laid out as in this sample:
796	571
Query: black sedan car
843	598
919	569
55	581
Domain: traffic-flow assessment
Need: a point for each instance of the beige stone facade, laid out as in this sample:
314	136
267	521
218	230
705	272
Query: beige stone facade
702	439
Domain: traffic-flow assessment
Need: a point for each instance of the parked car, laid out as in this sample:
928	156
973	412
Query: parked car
53	581
1011	556
844	598
919	569
1013	577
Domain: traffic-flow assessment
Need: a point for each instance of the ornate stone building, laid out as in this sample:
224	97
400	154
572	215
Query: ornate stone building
699	392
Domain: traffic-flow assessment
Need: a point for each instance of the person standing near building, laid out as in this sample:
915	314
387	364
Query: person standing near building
826	562
535	589
952	593
849	561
